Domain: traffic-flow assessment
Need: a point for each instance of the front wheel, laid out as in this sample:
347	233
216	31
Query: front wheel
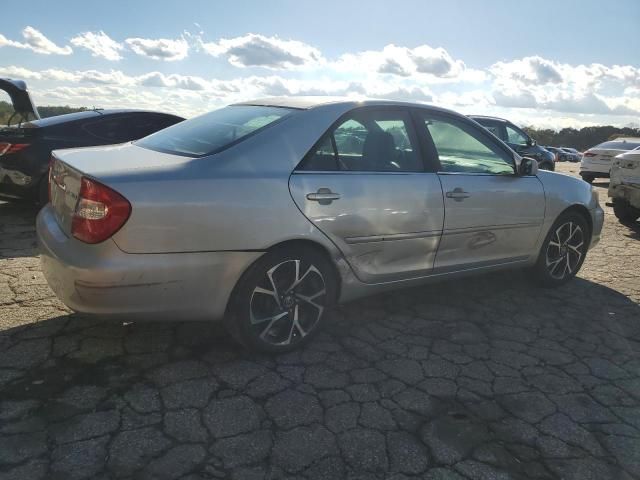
563	251
625	212
281	300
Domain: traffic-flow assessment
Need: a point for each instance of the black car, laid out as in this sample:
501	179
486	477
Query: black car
561	155
27	141
518	140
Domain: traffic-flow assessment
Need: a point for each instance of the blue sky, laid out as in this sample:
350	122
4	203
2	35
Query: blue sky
548	63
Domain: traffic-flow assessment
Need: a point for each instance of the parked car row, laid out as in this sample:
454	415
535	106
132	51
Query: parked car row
26	143
565	154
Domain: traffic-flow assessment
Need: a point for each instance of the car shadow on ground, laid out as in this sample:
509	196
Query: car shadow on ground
17	224
512	366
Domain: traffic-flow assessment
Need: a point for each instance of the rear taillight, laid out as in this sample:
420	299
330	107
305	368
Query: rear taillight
8	148
589	154
49	179
100	212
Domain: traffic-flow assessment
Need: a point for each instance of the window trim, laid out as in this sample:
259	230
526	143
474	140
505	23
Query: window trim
482	132
413	135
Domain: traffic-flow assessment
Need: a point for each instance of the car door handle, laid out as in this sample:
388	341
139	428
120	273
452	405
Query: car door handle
324	196
458	194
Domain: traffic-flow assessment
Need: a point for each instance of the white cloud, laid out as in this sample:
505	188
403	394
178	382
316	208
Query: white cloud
157	79
528	70
160	48
254	50
431	64
36	41
99	44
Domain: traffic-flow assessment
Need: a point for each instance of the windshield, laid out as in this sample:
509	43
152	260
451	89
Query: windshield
213	131
620	145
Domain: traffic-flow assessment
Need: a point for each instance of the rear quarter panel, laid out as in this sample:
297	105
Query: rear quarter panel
238	199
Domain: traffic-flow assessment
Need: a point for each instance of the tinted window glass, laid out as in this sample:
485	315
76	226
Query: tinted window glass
493	129
515	137
213	131
111	129
619	145
461	150
370	140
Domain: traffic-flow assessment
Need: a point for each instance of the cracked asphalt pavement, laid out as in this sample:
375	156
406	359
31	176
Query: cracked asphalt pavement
482	378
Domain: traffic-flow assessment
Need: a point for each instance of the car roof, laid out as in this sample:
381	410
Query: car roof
486	117
309	102
71	117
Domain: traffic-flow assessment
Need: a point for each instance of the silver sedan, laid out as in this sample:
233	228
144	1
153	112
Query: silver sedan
267	213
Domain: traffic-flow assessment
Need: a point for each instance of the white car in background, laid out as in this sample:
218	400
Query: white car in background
624	187
596	162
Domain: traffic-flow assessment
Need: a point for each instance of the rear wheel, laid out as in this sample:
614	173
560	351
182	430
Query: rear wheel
545	166
563	251
587	178
625	212
281	300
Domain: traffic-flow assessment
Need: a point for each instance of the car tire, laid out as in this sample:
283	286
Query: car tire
625	212
587	178
546	166
563	250
280	302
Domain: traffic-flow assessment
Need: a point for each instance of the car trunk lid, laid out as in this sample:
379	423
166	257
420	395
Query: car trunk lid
602	156
23	106
108	164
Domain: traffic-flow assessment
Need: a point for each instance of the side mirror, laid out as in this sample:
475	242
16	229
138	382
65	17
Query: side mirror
527	166
531	142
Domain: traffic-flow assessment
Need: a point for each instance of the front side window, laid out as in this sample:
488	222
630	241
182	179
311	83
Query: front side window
213	131
460	150
367	140
516	137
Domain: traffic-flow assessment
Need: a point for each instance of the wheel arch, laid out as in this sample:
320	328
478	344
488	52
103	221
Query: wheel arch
287	244
582	211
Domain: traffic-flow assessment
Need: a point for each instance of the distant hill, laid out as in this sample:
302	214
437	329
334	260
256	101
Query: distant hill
6	110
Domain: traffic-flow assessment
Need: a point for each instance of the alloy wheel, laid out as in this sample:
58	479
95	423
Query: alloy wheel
565	250
287	303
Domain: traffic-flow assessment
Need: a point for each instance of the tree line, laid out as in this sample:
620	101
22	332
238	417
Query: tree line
582	139
6	110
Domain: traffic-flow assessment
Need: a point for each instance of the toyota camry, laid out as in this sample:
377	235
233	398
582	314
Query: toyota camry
264	214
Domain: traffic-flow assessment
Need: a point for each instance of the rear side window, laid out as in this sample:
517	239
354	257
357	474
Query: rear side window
367	141
619	145
213	131
111	129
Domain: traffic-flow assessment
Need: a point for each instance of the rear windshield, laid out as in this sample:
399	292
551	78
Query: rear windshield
619	145
213	131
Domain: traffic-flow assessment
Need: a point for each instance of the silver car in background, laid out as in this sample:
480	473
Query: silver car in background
267	213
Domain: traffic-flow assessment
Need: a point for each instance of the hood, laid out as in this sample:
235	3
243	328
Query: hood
20	98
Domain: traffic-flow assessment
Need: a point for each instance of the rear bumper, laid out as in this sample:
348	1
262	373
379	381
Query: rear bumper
103	280
17	184
627	192
598	169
